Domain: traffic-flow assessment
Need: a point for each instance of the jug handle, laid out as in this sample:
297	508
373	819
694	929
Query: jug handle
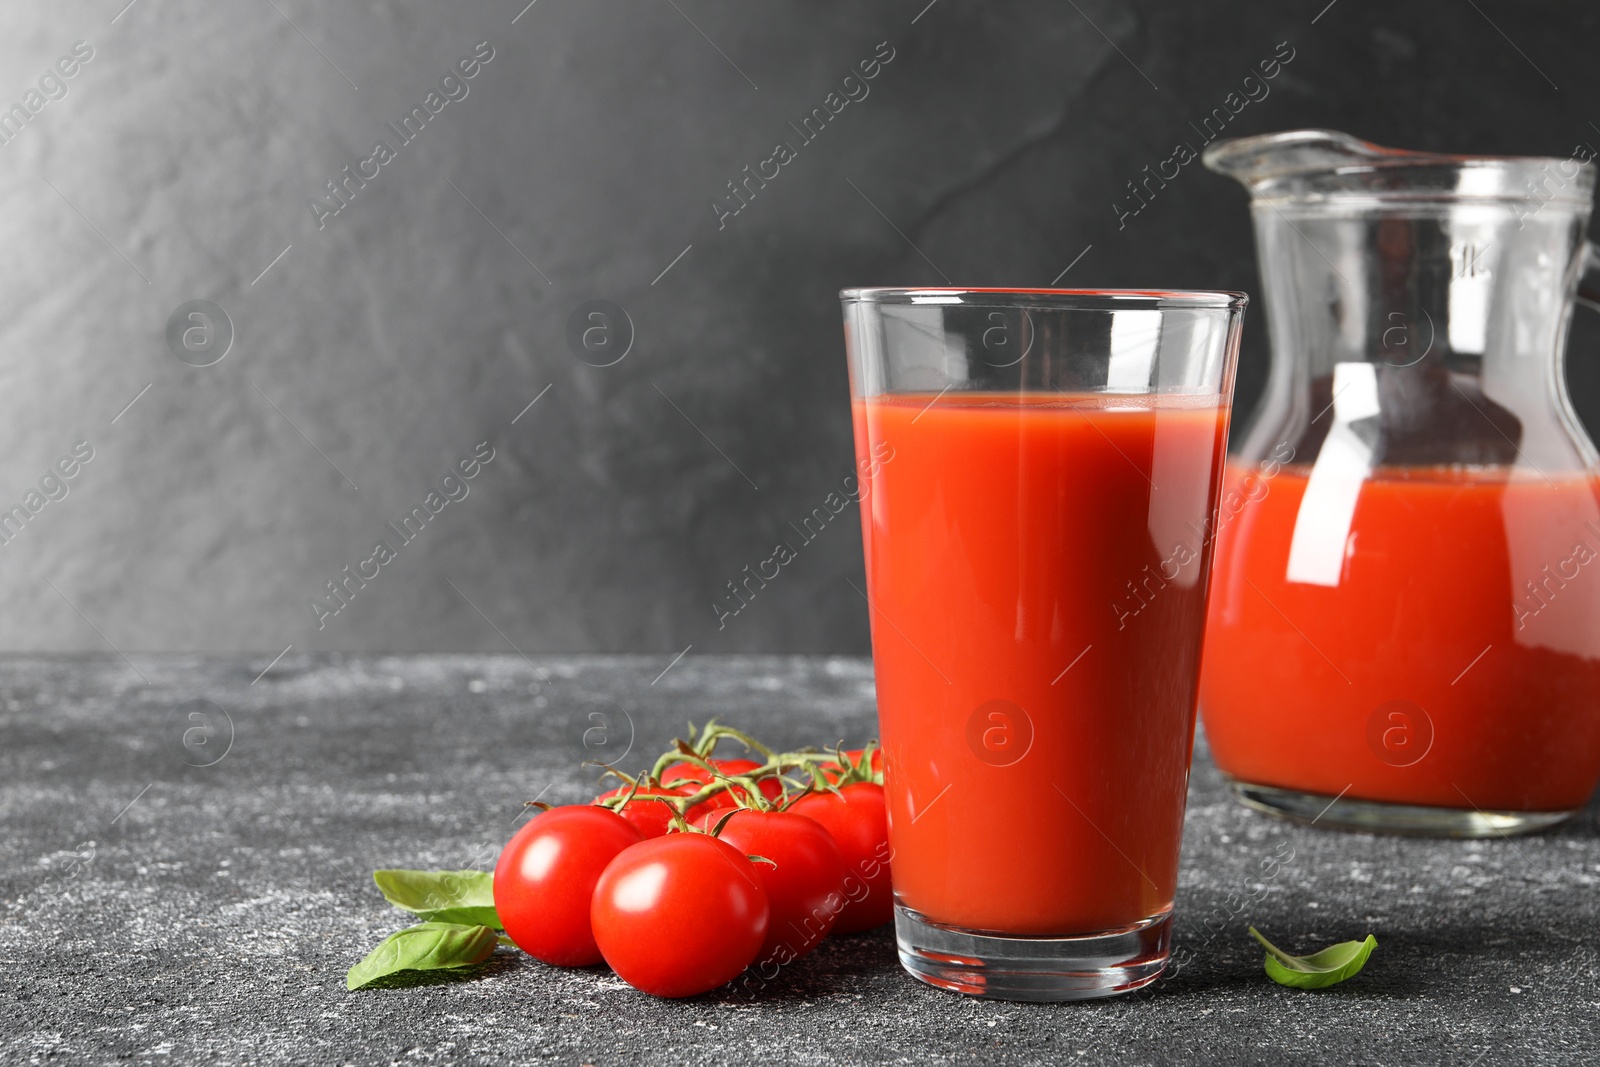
1589	279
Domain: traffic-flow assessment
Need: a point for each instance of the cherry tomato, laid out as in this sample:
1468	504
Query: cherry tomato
545	880
679	915
652	817
692	777
859	822
804	882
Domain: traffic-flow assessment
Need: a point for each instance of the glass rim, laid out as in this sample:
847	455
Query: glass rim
1054	299
1344	154
1328	167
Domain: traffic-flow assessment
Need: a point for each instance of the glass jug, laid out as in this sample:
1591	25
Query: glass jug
1404	629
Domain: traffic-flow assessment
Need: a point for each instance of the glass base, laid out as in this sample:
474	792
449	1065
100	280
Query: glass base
1046	969
1378	816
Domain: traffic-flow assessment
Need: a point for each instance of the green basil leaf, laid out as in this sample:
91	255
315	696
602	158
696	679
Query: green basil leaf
442	896
427	946
1328	967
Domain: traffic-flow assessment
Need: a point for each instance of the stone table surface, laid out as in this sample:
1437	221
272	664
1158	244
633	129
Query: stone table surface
187	847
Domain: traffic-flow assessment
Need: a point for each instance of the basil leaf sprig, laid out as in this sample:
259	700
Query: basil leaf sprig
442	896
1328	967
428	946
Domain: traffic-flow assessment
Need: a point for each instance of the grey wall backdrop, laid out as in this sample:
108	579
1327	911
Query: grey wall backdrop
374	349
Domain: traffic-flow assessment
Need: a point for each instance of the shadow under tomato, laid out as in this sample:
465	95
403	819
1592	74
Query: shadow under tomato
855	962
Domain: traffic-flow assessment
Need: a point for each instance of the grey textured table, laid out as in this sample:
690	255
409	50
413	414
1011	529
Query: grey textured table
157	910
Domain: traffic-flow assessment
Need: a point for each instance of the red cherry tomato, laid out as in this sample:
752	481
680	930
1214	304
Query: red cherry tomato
804	882
859	822
692	777
652	817
545	880
679	915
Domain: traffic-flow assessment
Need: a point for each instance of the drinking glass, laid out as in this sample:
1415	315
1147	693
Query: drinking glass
1040	472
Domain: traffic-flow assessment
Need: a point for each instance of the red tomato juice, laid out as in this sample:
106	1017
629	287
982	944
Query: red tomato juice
1037	573
1455	664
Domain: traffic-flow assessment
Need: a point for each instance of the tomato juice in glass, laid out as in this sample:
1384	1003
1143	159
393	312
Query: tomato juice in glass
1040	480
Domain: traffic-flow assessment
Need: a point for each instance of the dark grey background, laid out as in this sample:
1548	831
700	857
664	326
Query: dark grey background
427	315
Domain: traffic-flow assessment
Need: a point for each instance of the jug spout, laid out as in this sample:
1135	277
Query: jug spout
1319	164
1253	159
